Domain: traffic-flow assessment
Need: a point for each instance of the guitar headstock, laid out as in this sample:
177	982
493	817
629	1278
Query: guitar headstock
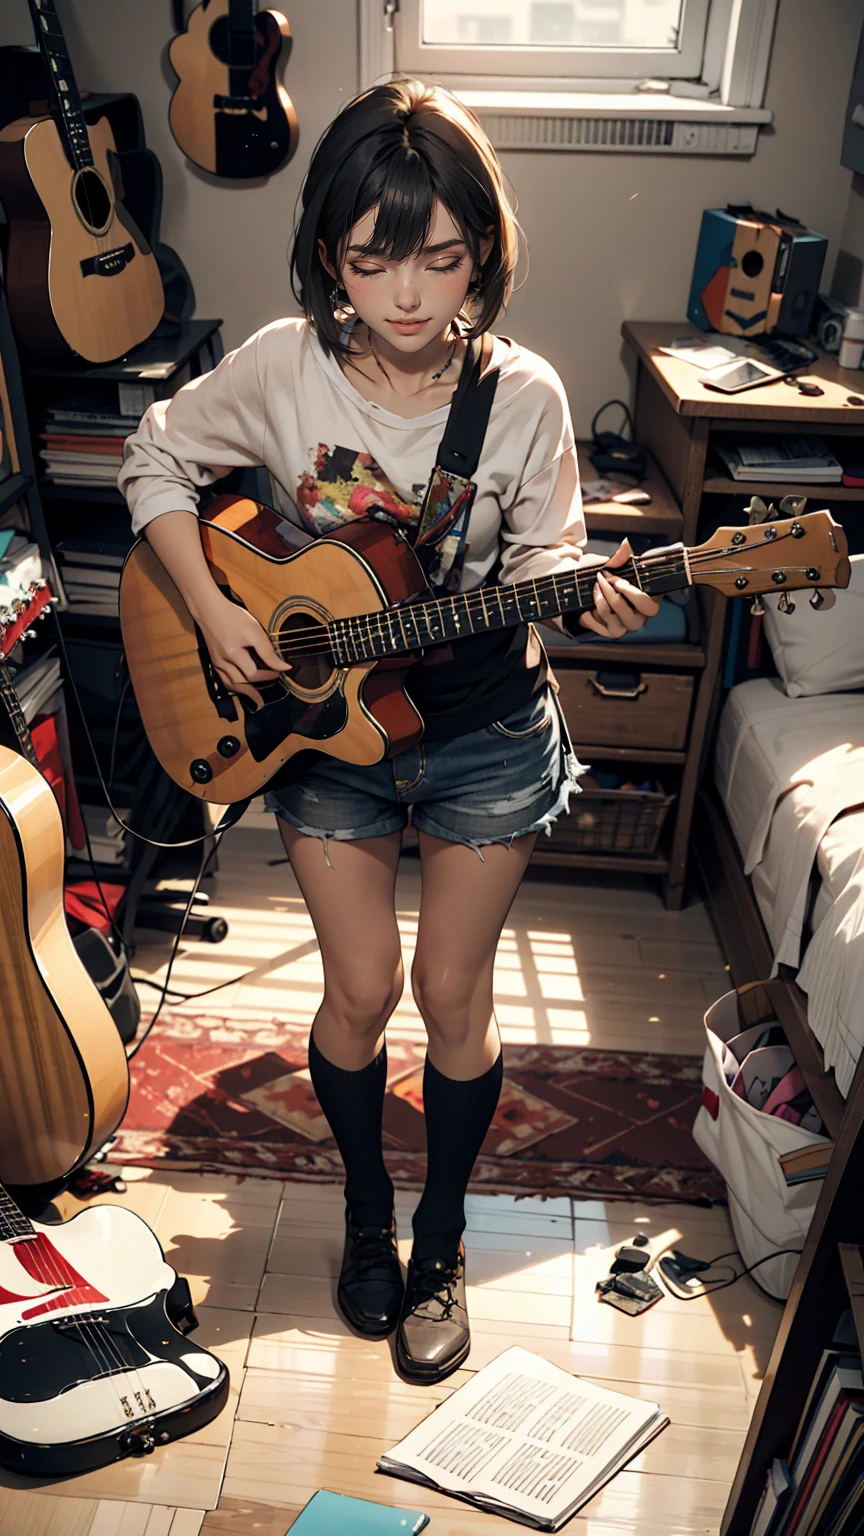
17	616
780	555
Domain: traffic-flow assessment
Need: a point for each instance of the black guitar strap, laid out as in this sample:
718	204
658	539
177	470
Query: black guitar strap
179	18
440	542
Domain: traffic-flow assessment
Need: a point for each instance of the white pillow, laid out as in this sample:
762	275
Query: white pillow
820	652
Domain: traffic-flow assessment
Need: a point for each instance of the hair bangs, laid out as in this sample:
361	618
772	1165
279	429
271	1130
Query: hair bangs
402	191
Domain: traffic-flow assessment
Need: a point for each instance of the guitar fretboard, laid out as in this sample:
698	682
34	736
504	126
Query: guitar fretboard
242	42
411	626
53	45
13	1223
16	715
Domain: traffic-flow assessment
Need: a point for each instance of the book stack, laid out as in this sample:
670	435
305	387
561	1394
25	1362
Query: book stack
20	565
788	458
90	572
82	445
817	1491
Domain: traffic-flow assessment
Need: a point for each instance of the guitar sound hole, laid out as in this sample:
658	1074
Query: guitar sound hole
92	199
235	51
303	641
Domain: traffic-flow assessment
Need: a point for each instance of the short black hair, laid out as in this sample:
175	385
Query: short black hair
396	148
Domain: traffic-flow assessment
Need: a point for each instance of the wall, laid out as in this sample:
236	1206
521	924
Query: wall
611	236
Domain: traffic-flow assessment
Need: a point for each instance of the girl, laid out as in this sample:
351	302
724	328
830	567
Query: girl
403	255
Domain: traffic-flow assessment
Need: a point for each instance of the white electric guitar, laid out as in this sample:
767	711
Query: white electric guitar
94	1365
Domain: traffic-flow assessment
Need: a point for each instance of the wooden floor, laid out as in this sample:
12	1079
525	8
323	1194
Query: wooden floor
599	963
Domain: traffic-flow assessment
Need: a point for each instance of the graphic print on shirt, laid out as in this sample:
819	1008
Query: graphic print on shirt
345	483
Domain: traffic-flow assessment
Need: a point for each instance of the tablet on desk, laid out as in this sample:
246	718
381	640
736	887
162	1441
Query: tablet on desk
744	373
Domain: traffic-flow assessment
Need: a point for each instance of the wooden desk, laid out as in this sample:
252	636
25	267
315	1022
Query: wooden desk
676	418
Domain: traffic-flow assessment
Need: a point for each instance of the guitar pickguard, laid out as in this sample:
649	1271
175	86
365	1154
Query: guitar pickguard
288	715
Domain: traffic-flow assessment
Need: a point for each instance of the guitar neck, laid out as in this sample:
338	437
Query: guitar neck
16	715
242	43
53	44
410	627
13	1223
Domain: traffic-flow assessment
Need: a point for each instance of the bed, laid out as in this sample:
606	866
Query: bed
788	781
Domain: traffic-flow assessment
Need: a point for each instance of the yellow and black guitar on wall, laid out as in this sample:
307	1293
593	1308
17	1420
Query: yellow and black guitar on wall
230	114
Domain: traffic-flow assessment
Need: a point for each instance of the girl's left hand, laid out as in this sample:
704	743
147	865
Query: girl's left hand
618	605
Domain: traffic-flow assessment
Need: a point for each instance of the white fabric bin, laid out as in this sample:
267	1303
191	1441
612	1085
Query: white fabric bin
745	1145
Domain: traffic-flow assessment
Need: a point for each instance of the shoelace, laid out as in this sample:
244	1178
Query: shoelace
373	1249
435	1285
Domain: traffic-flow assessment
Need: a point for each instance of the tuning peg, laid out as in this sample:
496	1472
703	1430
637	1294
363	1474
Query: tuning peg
757	608
29	634
793	506
785	603
821	600
757	510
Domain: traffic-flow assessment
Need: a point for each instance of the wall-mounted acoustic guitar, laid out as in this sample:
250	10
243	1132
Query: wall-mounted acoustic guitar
93	1366
230	114
64	1081
81	277
351	611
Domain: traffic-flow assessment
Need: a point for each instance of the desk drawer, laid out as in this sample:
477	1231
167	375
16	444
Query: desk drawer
626	709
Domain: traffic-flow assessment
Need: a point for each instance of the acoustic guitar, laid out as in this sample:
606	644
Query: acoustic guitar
230	114
81	277
352	610
93	1366
64	1082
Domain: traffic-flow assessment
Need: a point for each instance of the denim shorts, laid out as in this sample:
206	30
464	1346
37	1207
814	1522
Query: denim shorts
490	786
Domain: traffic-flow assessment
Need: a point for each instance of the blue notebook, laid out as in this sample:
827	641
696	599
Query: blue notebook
334	1514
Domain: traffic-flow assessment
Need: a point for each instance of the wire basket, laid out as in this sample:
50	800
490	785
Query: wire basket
615	820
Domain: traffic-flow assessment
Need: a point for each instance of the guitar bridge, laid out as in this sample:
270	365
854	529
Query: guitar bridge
108	263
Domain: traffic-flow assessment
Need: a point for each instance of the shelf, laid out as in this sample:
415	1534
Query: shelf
158	352
724	485
105	494
662	515
627	863
628	754
852	1263
13	489
100	620
630	652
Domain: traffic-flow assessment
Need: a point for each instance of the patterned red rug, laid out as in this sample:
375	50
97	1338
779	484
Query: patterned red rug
212	1091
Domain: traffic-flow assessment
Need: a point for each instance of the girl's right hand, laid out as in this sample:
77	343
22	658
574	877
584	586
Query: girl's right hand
240	648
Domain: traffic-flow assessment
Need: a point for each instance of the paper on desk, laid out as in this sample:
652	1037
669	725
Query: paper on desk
526	1439
701	352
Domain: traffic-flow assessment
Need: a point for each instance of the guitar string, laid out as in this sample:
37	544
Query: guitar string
673	562
318	643
46	1275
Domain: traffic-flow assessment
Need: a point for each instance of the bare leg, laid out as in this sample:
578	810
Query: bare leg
464	907
351	902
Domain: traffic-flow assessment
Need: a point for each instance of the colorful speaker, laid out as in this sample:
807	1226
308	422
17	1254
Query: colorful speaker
755	272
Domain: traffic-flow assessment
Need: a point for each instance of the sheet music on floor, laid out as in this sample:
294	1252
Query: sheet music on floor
526	1440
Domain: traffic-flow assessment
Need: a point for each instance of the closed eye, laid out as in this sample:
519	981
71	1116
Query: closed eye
377	271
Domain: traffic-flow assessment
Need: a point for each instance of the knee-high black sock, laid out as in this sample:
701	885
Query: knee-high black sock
353	1103
458	1115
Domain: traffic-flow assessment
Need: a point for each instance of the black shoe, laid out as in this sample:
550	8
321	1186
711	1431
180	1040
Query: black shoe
433	1338
370	1286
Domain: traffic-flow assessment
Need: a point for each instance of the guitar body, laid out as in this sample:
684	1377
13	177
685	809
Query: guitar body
64	1081
91	1366
81	276
214	743
232	120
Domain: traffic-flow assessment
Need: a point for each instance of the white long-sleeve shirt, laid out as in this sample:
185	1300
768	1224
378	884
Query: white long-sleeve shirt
279	401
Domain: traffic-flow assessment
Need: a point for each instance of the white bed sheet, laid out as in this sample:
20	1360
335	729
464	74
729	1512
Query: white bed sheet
832	971
785	769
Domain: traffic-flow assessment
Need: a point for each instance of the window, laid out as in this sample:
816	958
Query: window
621	40
584	59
